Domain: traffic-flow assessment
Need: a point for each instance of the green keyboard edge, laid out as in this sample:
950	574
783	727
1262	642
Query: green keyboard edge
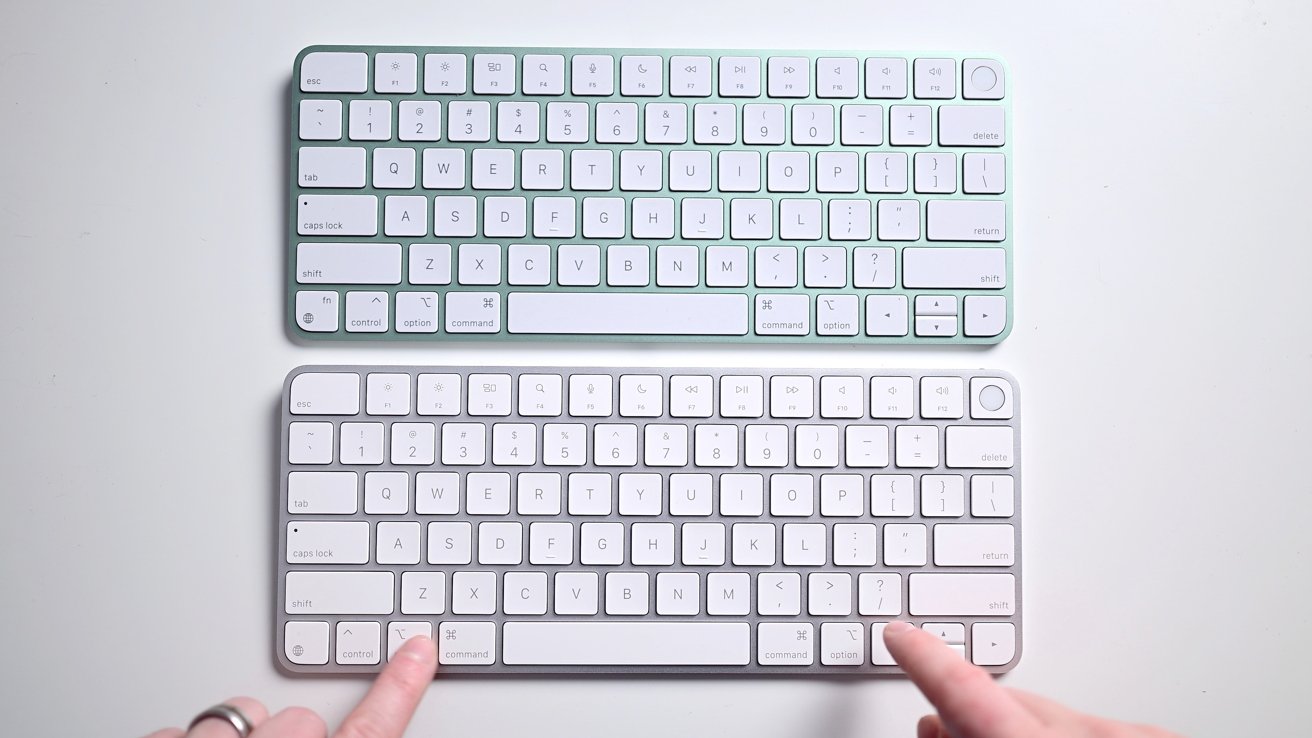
860	339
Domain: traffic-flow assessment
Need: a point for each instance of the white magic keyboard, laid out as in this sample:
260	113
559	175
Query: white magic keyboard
582	520
475	193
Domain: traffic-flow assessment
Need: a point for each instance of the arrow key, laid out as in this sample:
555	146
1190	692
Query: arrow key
993	644
986	315
936	327
886	315
936	305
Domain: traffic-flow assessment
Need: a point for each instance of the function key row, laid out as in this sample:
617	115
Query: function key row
648	395
649	76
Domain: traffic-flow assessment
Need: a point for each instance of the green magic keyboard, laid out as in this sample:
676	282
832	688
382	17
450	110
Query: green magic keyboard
462	193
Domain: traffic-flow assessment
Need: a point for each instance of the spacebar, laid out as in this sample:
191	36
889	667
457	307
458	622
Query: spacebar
638	313
626	644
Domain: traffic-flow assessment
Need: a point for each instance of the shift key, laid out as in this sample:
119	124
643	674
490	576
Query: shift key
955	268
337	215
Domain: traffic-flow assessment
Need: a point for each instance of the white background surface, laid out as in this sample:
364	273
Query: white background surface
1162	182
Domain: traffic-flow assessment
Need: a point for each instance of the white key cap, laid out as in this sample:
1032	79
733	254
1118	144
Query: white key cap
653	544
550	543
940	268
804	544
469	120
306	643
942	397
992	644
500	543
899	220
337	215
879	594
617	122
961	594
544	74
398	543
799	219
493	169
917	446
785	644
494	74
966	220
615	445
423	593
313	542
626	643
742	494
836	77
886	172
359	642
525	593
542	169
971	125
395	74
387	493
399	632
464	444
444	74
579	265
691	396
788	171
627	593
641	396
567	122
942	495
782	315
740	76
703	545
753	544
444	169
842	397
590	395
640	494
989	447
792	495
641	76
665	123
677	593
891	397
664	314
984	174
320	120
992	496
854	544
715	446
576	593
837	171
936	173
437	493
792	397
841	495
817	446
861	125
339	593
788	76
739	171
387	394
891	495
473	593
310	443
416	312
538	494
779	593
564	444
466	642
487	493
330	166
602	543
702	218
527	264
335	71
438	394
714	123
323	493
813	125
518	122
982	79
829	593
413	443
690	76
325	393
904	545
395	169
842	644
540	395
489	394
974	545
776	266
628	265
766	445
826	266
872	267
369	120
450	543
677	266
592	74
742	396
405	216
935	78
908	125
849	220
866	446
886	78
763	124
473	312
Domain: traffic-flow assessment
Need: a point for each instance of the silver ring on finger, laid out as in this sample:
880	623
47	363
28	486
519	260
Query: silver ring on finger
228	714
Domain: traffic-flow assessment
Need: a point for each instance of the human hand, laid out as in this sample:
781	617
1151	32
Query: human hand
383	713
971	705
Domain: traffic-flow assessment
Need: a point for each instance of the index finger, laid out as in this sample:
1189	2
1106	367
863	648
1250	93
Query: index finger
969	702
386	710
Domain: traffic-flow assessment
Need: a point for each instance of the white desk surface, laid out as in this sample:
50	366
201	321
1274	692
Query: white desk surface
1162	181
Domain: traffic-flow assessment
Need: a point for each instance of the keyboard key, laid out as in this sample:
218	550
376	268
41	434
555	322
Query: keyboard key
339	593
306	642
395	74
445	74
886	78
334	71
320	120
966	220
327	393
599	313
961	594
337	215
971	125
592	74
466	643
335	166
974	545
641	76
935	78
627	643
942	268
544	74
789	76
359	642
785	644
992	644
